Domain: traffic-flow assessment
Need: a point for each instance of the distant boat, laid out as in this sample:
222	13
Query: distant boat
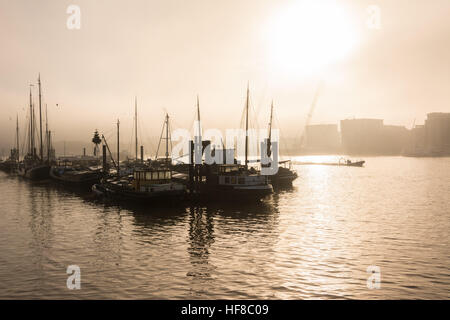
349	163
342	162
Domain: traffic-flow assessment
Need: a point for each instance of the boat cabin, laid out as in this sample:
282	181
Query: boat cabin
142	179
236	175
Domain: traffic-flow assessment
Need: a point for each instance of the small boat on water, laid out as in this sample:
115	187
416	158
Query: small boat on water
349	163
11	165
342	162
285	175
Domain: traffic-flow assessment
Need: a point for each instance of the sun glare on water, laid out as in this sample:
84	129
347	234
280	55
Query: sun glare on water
306	36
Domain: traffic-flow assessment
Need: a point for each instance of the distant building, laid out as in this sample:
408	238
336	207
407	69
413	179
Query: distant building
437	133
361	136
372	137
394	138
322	138
416	143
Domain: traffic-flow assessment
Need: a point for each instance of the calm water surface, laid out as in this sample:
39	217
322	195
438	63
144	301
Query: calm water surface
314	240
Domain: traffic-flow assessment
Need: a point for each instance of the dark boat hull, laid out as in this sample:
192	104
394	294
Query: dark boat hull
283	177
8	167
40	172
170	197
355	164
82	179
277	180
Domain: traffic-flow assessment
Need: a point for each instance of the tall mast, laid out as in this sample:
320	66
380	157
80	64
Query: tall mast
17	137
118	148
49	142
246	126
269	151
47	139
31	124
135	126
198	119
41	150
167	138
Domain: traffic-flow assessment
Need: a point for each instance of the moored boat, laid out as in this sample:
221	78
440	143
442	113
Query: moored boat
235	182
150	185
285	175
33	166
76	175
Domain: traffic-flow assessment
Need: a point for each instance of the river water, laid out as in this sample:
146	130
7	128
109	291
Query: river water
312	241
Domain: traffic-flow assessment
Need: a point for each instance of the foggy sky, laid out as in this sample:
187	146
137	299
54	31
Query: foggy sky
166	52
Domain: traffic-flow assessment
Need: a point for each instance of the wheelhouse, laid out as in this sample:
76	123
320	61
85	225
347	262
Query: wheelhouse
236	175
154	176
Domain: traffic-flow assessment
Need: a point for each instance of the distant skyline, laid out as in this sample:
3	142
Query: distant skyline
167	52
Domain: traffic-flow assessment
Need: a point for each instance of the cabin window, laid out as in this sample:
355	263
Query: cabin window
227	179
241	181
233	180
168	175
155	175
148	175
162	175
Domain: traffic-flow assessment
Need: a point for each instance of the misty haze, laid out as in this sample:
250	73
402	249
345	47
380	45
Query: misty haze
224	150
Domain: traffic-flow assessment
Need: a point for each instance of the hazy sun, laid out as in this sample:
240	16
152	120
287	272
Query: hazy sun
306	36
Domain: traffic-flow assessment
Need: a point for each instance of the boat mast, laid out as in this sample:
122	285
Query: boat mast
135	126
269	145
49	142
198	119
31	124
167	139
47	136
246	127
41	150
118	148
17	137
